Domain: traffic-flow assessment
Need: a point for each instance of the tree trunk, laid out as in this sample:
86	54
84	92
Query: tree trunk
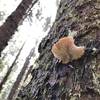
79	79
12	22
10	69
21	77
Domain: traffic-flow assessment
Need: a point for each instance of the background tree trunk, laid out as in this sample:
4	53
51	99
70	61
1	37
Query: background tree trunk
21	77
12	22
10	69
6	31
77	80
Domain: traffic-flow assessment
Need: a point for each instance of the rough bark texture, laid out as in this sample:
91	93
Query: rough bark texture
12	22
77	80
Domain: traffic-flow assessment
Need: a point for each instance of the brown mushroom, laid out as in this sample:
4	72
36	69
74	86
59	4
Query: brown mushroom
65	50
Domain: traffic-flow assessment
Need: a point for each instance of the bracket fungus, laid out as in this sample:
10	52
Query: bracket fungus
65	50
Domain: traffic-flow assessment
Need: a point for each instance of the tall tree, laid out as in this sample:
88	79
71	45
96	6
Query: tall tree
21	77
12	22
79	79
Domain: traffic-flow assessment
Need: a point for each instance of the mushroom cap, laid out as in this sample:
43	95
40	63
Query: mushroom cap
65	49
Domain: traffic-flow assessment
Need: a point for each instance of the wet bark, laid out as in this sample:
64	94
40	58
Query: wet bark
12	22
77	80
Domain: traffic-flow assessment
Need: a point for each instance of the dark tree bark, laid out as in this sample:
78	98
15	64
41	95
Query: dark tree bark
12	22
77	80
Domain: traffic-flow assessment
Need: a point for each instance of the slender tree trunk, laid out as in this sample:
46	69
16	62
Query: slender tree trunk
12	22
10	69
77	80
21	77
